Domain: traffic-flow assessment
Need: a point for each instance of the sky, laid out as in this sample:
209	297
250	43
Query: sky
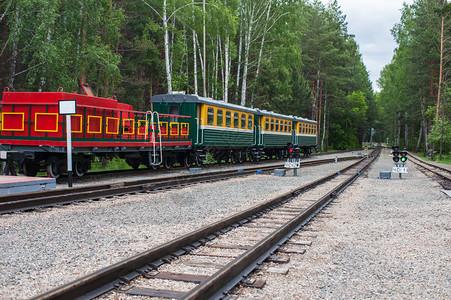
371	21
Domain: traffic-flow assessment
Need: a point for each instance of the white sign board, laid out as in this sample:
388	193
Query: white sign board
293	163
399	168
67	107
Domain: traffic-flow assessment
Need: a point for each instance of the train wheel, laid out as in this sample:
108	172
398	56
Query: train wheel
134	163
168	163
79	169
241	157
234	157
198	161
53	170
30	169
188	161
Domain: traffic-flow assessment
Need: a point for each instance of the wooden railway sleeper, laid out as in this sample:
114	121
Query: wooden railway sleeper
91	283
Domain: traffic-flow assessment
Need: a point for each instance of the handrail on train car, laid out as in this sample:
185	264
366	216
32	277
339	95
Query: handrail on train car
152	121
200	129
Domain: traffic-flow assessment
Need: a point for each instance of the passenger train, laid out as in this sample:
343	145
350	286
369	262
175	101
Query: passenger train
177	128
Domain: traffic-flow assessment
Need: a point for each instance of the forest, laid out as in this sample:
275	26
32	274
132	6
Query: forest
292	57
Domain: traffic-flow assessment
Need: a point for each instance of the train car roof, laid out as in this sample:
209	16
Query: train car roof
263	112
298	119
180	98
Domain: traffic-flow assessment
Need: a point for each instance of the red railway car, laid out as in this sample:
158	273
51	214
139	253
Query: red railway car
33	134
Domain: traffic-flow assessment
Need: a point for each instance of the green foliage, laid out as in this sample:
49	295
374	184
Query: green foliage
59	42
308	64
436	132
409	83
114	164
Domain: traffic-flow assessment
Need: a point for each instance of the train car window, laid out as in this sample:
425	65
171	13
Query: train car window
219	117
243	120
228	118
210	115
277	125
289	127
173	110
285	127
267	124
301	128
250	120
272	124
236	120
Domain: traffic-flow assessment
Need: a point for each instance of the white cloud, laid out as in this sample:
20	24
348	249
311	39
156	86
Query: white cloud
371	21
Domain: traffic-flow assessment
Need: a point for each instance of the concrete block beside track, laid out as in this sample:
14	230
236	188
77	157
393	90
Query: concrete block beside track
280	172
21	184
195	170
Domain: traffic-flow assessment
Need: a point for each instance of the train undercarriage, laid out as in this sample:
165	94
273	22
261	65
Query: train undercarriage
54	161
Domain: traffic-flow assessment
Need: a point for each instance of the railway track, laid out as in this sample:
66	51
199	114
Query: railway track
128	172
44	199
441	173
235	246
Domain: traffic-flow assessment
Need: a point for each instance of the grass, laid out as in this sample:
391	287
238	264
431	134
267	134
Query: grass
446	158
110	165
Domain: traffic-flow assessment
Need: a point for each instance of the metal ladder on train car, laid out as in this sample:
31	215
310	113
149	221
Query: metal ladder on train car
200	131
153	157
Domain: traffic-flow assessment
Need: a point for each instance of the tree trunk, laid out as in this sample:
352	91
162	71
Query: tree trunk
12	66
324	123
83	45
196	90
260	53
419	139
201	59
398	136
226	68
204	69
318	117
215	71
425	127
441	138
441	69
44	69
166	49
247	45
406	132
240	48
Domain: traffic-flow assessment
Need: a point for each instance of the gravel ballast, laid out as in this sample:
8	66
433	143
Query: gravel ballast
43	250
381	239
384	239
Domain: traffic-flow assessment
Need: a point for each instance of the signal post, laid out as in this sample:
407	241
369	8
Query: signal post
399	161
294	158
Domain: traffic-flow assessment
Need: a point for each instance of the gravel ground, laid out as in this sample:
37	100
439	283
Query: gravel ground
43	250
384	239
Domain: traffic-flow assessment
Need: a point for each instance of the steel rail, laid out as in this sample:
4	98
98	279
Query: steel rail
419	162
43	199
62	178
106	279
217	285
